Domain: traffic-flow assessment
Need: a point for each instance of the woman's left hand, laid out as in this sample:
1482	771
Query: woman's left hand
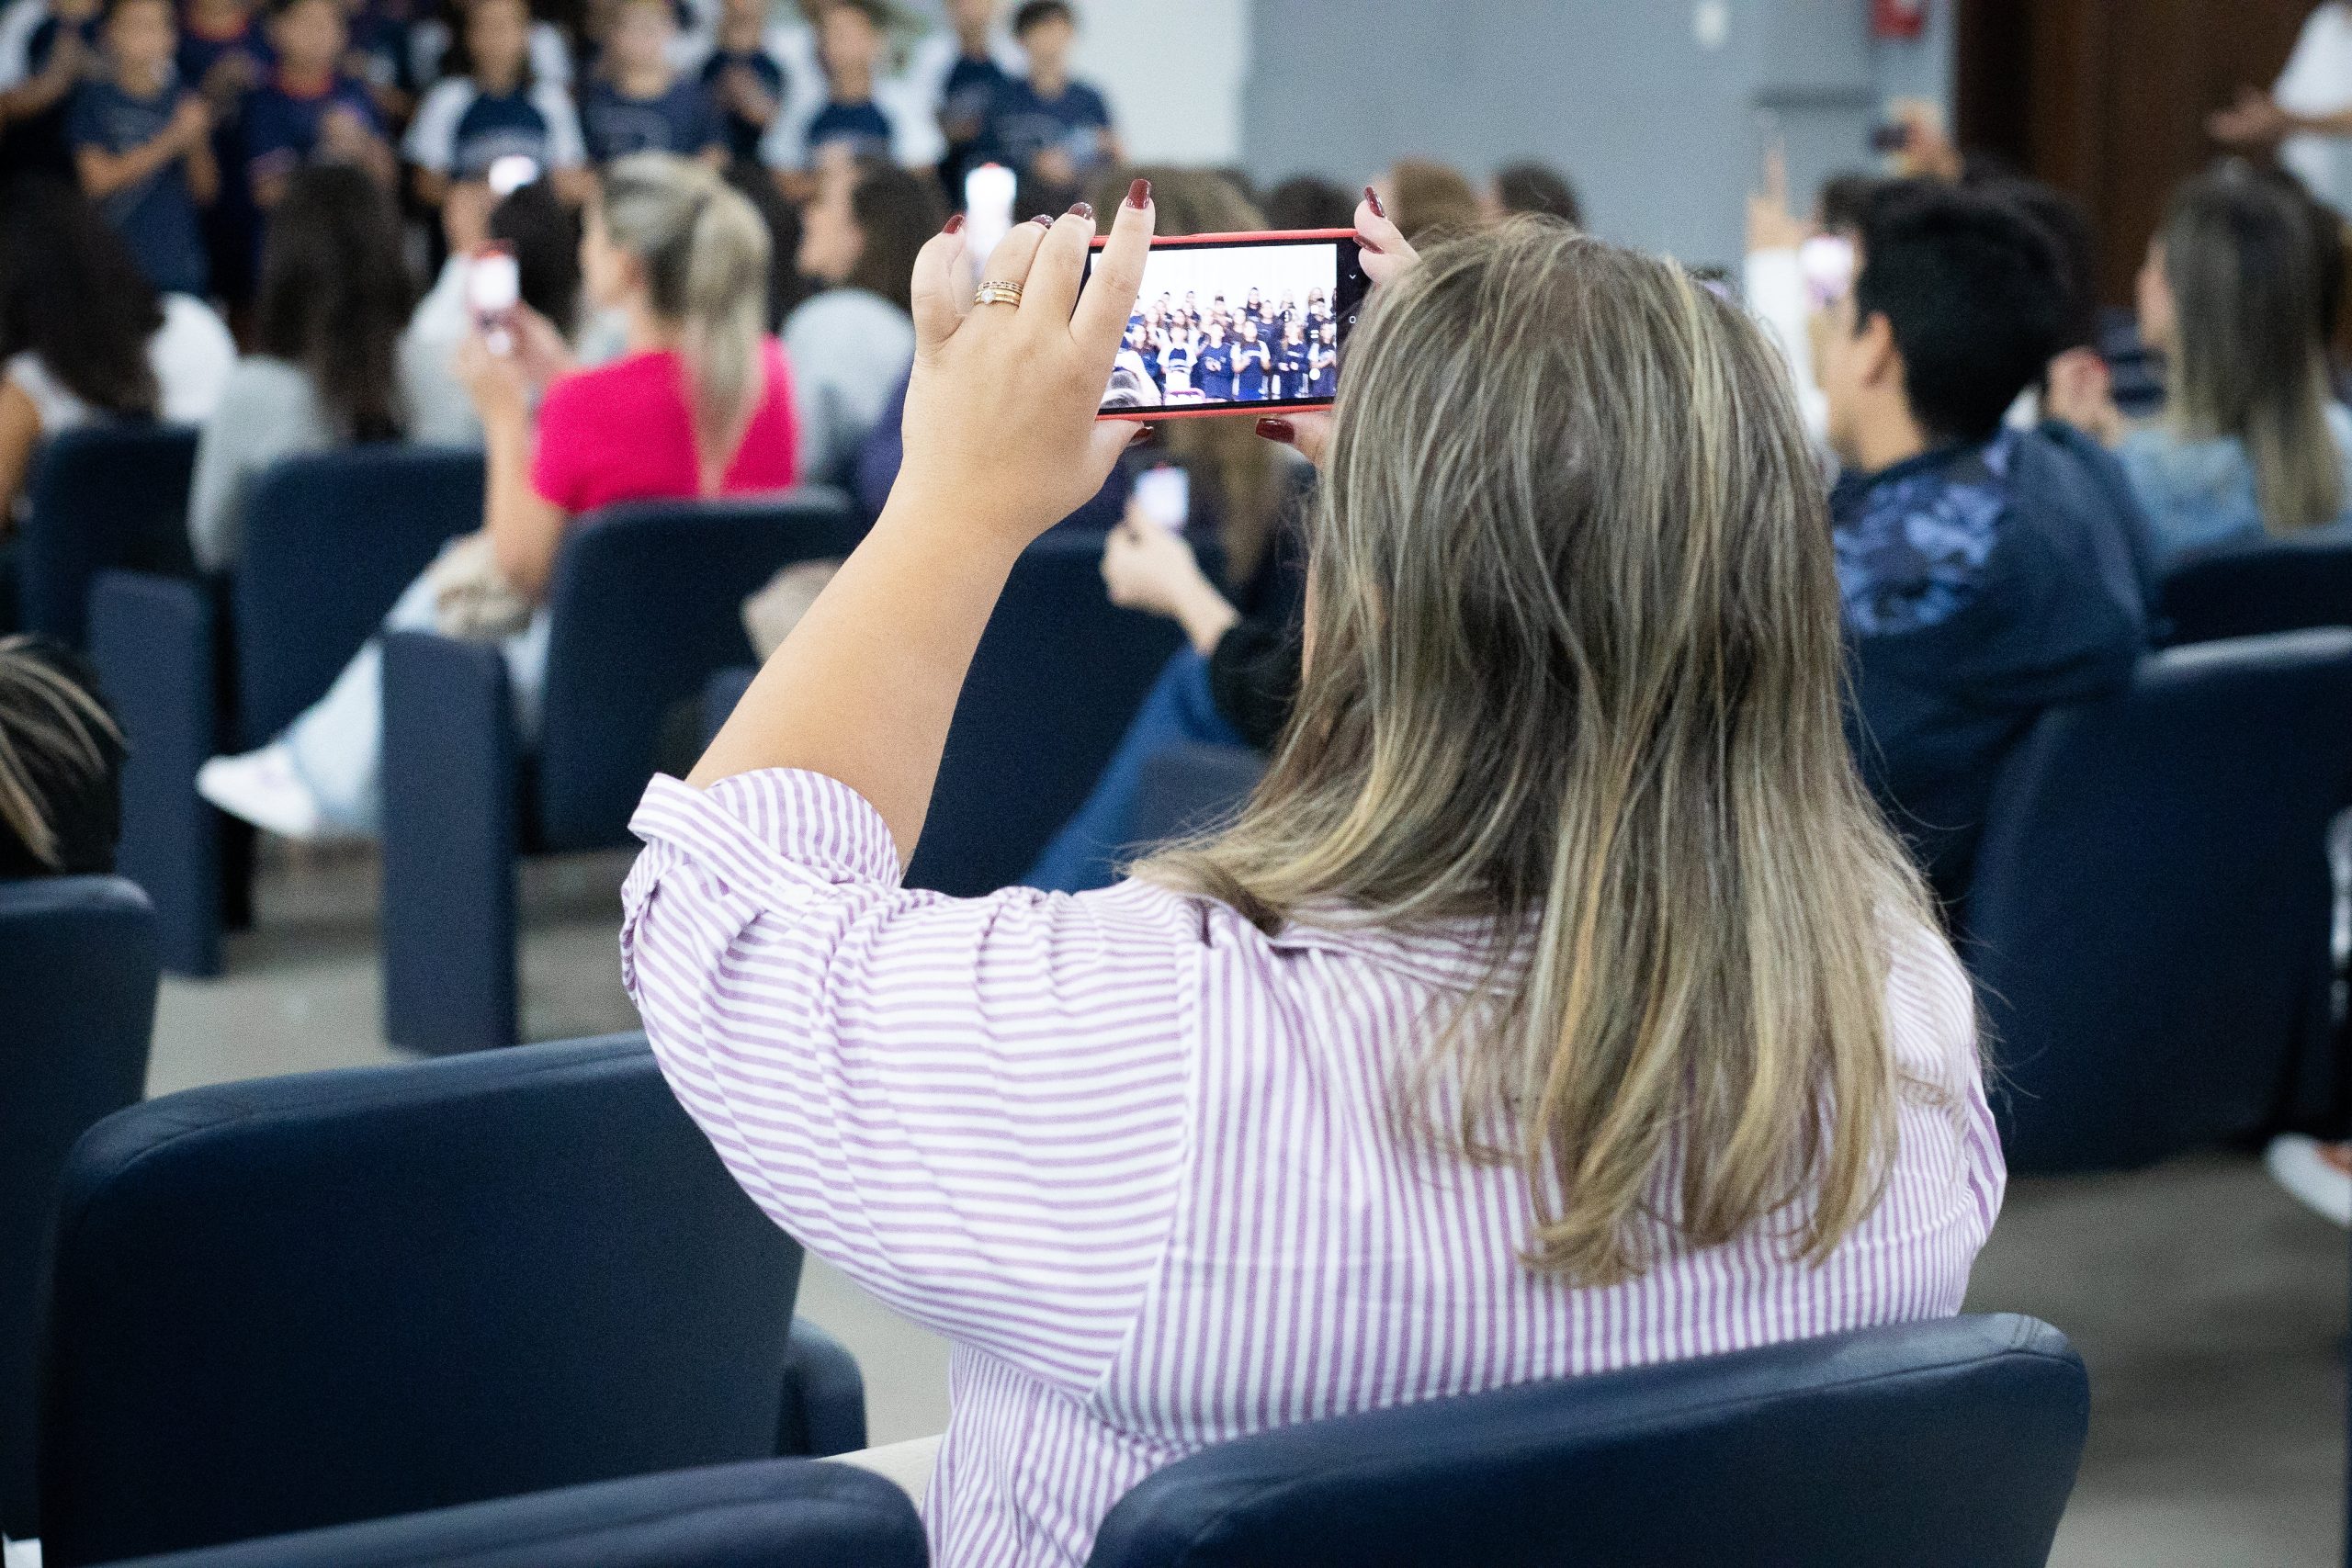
1388	255
1000	428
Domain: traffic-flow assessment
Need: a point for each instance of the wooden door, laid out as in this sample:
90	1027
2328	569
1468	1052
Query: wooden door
2107	99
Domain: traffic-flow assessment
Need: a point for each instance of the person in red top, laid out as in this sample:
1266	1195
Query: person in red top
699	405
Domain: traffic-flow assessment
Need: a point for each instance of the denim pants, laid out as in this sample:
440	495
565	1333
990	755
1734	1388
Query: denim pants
337	743
1178	710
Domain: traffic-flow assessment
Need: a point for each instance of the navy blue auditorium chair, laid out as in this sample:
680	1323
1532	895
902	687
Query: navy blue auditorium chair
108	498
2253	590
294	1302
77	1004
1951	1444
646	603
1058	673
1188	789
196	669
770	1514
2149	921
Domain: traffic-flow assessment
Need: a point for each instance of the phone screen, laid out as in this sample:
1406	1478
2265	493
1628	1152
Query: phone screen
1234	322
493	289
1164	494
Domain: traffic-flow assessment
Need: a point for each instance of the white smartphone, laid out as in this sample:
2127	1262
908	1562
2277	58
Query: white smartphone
987	208
1827	263
1164	494
510	172
493	292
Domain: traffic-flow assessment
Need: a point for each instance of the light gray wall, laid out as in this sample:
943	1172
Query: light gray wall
1663	135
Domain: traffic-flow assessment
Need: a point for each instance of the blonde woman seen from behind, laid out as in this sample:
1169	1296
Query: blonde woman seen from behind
1558	1004
699	405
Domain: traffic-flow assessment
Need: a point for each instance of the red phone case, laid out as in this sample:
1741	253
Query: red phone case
1228	411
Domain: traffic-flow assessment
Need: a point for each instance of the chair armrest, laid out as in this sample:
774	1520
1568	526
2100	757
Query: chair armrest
824	1396
153	642
450	778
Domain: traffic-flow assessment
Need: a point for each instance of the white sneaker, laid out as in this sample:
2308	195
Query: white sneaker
262	788
2314	1173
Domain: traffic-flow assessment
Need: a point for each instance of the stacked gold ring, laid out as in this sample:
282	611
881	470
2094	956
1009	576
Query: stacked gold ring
998	292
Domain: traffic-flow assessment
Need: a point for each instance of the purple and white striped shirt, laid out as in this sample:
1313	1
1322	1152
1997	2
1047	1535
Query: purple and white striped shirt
1136	1158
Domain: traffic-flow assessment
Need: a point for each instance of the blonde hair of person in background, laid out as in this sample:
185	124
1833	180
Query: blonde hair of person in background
1570	461
1245	471
705	252
2242	338
1428	201
56	739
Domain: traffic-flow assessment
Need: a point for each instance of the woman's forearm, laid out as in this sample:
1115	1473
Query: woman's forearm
512	512
863	688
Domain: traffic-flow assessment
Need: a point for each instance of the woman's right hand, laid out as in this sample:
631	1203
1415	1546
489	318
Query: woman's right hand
1001	429
1388	255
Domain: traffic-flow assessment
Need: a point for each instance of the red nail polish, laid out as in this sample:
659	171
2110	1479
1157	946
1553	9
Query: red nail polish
1042	220
1080	210
1139	193
955	221
1373	197
1279	430
1148	435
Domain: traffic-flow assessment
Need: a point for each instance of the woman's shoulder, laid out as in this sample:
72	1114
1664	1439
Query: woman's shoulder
1930	1003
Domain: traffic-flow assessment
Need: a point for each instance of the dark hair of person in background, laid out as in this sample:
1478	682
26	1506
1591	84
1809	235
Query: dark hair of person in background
1037	11
2327	236
545	238
787	287
2068	227
61	764
335	296
72	296
898	211
457	59
1844	201
1303	201
1432	199
1530	186
1975	294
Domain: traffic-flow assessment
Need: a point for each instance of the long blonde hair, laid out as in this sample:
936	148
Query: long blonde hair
2247	358
57	742
1574	674
705	251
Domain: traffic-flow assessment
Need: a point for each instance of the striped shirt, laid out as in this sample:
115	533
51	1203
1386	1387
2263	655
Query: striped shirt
1134	1157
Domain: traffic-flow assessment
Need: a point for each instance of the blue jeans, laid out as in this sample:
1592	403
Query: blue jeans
1178	710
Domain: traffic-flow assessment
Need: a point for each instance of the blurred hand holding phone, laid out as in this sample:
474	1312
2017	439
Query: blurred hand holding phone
494	295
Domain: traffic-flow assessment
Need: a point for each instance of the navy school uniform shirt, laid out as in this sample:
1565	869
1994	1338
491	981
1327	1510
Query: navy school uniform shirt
1981	585
861	125
1291	370
741	136
379	50
280	127
29	34
1249	362
198	53
1213	371
1021	124
680	120
460	131
157	216
1323	371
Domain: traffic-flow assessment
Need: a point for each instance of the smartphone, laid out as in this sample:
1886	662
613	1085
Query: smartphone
510	172
987	208
1827	263
493	291
1164	494
1238	323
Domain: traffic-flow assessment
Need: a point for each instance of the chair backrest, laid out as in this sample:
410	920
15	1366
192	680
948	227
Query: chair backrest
2272	585
2148	924
1187	789
772	1514
648	602
1951	1444
77	1002
105	498
1059	673
330	541
309	1300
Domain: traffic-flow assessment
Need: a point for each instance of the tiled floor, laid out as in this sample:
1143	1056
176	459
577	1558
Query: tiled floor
2211	1309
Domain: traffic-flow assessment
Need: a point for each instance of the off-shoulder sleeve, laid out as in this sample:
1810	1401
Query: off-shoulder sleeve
977	1107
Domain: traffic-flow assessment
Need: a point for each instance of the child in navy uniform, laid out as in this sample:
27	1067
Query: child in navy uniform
745	84
1212	366
852	123
47	49
143	146
1323	362
1253	363
221	53
1046	126
309	111
493	107
638	103
1291	372
378	54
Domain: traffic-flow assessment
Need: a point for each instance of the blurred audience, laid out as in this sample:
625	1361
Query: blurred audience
142	145
1534	188
1988	573
850	344
324	371
1426	199
701	405
308	110
61	764
493	104
1306	201
862	113
2251	442
535	228
963	69
1052	130
637	101
743	77
85	339
47	49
